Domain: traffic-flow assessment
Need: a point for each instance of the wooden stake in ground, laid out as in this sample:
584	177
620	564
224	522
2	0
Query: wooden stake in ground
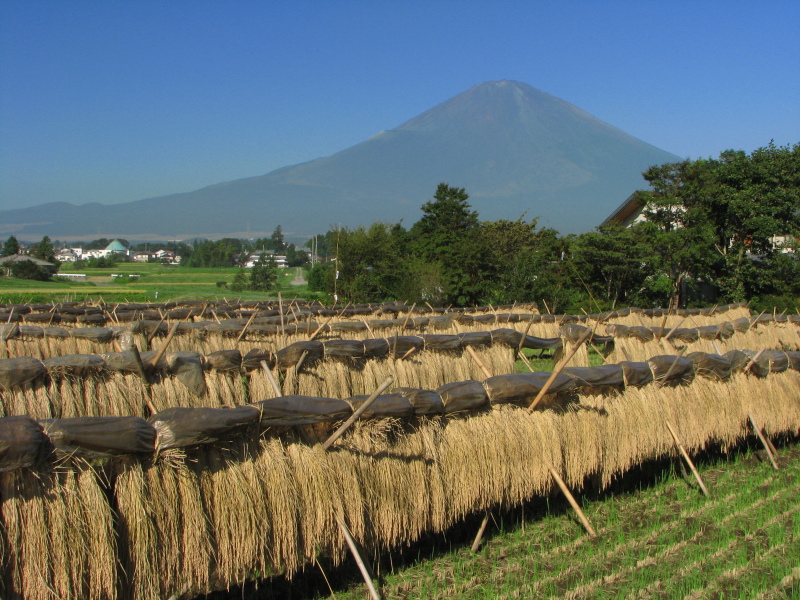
572	501
763	441
408	316
477	543
273	382
587	334
354	417
163	348
246	325
363	566
478	361
688	460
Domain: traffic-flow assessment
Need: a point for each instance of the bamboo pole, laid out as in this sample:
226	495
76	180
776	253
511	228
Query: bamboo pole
316	332
763	441
246	325
408	316
754	360
283	327
587	334
273	382
358	412
478	361
476	544
574	503
688	460
360	561
163	348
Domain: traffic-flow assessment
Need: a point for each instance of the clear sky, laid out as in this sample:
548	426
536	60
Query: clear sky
110	101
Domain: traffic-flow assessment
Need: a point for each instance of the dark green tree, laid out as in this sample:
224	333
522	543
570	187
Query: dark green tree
264	274
44	250
277	240
11	247
27	269
239	283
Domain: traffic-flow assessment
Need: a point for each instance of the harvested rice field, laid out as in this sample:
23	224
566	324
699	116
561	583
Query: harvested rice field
657	537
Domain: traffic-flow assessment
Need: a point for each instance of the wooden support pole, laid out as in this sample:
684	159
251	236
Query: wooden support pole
246	325
316	332
674	364
272	381
408	316
163	348
363	566
754	360
763	441
688	460
477	543
153	333
574	503
478	361
587	334
283	326
346	425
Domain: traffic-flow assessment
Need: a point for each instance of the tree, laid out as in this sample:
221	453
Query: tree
448	235
264	274
44	250
277	240
11	247
239	282
27	269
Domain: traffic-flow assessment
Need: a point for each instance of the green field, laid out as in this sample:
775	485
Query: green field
658	537
155	282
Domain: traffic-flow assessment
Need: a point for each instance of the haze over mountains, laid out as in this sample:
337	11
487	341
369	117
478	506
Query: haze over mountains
514	148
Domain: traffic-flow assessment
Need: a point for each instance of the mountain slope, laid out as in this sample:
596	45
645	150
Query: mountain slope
514	148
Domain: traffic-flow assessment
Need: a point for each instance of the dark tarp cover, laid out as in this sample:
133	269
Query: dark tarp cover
374	347
187	367
384	406
522	387
121	361
599	376
96	334
778	361
75	364
682	371
636	374
711	366
348	326
224	360
344	348
794	360
290	355
476	338
684	335
22	442
742	324
252	360
56	332
441	322
738	360
572	331
302	410
9	331
509	337
761	367
425	402
31	331
101	436
18	371
463	395
178	427
400	345
442	342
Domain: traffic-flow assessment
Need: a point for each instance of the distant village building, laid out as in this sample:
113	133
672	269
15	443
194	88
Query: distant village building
280	259
7	261
67	255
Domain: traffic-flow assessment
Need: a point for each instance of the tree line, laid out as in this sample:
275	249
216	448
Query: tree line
719	229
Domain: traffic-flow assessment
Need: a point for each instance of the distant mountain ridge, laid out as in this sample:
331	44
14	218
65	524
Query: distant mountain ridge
517	150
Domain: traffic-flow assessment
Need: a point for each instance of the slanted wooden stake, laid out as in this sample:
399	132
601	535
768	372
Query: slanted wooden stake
359	411
318	329
763	441
363	566
408	316
572	501
246	325
587	334
153	333
273	382
674	435
754	360
688	460
283	327
477	543
478	361
163	348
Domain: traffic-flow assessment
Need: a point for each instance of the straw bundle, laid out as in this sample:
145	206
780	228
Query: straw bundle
60	527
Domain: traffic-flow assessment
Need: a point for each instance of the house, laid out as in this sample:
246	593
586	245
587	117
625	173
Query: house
167	257
280	260
141	257
67	255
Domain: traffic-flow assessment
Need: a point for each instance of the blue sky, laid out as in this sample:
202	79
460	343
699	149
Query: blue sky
111	101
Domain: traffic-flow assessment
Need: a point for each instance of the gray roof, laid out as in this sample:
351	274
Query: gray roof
20	257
